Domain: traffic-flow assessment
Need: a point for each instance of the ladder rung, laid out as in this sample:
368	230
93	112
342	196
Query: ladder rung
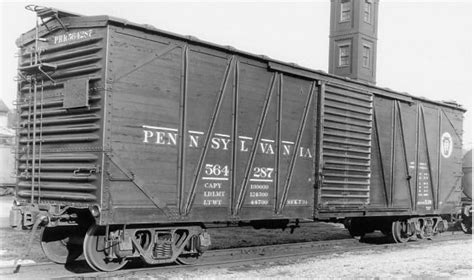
38	68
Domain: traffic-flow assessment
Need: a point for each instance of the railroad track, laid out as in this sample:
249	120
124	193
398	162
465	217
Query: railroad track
220	258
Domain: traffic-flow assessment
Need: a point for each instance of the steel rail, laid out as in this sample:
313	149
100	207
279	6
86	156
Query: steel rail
229	257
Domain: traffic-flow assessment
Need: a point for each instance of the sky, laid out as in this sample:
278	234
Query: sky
424	47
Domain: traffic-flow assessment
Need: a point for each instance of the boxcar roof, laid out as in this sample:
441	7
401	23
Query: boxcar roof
78	21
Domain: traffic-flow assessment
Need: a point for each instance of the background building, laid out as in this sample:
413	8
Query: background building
7	150
353	39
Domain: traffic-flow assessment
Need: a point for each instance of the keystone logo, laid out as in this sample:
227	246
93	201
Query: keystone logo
446	145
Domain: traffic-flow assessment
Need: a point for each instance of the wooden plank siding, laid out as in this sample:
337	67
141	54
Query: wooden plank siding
158	89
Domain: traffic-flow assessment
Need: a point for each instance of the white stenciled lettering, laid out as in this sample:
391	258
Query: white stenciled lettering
216	170
72	36
147	135
172	138
213	185
263	172
214	193
258	202
258	194
259	187
225	143
243	148
212	202
296	202
215	143
194	141
424	202
220	143
160	138
166	138
305	153
169	136
266	148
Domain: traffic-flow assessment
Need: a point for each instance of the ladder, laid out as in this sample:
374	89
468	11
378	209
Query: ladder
33	75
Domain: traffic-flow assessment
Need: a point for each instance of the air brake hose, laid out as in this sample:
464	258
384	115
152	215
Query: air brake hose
16	263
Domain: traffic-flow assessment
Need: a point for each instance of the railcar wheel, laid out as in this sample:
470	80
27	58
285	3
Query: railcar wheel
61	244
466	226
191	252
95	251
188	259
355	228
400	231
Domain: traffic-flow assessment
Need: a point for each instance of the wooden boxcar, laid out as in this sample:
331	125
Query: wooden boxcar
132	139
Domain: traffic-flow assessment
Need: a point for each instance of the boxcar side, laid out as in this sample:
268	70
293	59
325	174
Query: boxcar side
422	172
409	164
209	135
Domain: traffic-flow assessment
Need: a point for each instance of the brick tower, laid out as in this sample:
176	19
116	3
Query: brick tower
353	39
